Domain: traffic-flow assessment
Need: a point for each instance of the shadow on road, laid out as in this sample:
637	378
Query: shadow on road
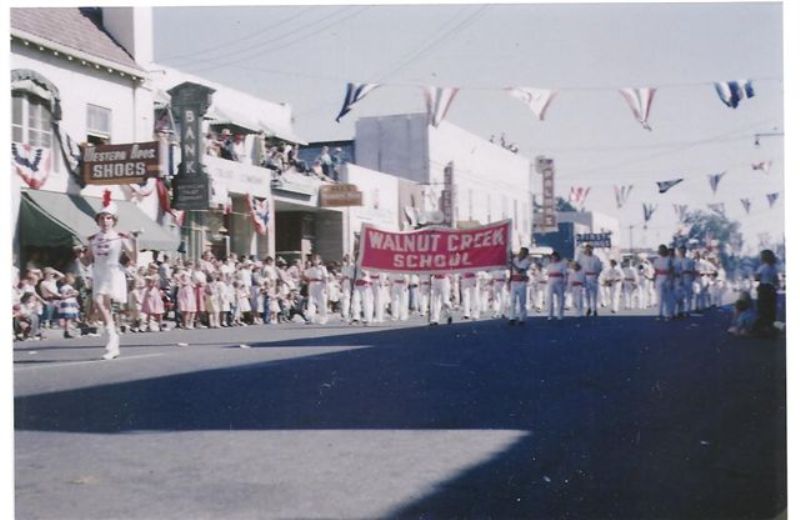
629	418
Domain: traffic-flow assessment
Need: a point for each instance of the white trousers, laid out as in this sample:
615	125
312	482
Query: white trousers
519	300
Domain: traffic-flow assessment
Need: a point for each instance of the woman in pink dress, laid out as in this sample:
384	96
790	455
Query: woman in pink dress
152	303
187	301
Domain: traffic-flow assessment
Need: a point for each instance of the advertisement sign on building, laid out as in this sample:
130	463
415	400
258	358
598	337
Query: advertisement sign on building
338	195
191	187
448	196
546	221
121	163
594	239
436	249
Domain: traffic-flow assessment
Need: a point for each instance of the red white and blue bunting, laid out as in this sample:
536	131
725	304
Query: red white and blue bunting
621	193
259	213
714	179
438	101
577	195
355	93
733	92
32	164
771	198
664	186
640	100
649	209
537	99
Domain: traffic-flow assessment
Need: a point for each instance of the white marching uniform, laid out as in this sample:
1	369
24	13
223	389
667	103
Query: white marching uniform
378	296
630	286
647	286
108	275
688	276
424	294
362	297
399	292
347	277
470	299
662	266
556	281
592	267
317	277
440	296
613	279
519	288
577	286
499	292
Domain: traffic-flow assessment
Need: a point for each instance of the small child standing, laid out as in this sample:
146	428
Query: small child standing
152	303
68	308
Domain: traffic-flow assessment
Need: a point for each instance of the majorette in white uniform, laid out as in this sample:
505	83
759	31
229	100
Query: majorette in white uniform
519	286
317	278
556	281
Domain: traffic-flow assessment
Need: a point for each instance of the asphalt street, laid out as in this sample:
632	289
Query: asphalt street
618	416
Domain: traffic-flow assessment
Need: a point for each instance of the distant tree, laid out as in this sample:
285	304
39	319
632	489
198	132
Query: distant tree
563	204
713	232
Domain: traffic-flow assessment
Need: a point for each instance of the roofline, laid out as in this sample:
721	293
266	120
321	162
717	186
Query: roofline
71	53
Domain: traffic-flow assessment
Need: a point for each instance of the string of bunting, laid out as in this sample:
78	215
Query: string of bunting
639	99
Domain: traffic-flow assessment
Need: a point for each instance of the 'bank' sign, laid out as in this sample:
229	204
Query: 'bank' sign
121	163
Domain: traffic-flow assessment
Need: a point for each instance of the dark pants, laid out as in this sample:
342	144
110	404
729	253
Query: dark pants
767	305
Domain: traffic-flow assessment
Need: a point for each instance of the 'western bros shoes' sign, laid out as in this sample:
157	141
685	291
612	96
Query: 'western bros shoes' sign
436	249
120	163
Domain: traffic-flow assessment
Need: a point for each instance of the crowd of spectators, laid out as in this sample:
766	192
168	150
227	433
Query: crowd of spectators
171	293
277	156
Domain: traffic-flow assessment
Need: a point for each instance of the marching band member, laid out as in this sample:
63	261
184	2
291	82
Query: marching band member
556	279
519	284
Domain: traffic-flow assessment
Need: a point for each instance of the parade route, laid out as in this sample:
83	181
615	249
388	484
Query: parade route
616	416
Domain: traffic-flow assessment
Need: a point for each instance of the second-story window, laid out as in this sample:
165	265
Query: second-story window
98	124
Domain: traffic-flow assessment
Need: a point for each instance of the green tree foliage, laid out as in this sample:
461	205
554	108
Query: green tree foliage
701	229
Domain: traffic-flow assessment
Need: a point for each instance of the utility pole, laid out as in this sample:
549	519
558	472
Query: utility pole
630	237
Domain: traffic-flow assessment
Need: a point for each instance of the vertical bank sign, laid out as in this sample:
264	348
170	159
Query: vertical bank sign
449	196
436	249
190	188
546	221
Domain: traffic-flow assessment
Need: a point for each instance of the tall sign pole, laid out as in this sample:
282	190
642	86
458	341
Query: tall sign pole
190	187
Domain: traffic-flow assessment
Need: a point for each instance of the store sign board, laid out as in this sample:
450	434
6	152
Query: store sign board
129	163
338	195
594	239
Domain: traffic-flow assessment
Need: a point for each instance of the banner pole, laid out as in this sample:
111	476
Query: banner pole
430	296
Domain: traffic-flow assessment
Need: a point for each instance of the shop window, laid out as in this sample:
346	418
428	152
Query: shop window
31	122
98	125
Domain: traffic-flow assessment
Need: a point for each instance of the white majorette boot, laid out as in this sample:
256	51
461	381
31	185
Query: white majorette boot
112	347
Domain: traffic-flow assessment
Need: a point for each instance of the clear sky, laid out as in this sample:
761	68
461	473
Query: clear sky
306	55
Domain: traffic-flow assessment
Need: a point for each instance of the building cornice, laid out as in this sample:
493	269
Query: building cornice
74	55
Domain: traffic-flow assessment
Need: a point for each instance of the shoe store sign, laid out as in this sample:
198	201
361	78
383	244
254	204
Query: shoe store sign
121	163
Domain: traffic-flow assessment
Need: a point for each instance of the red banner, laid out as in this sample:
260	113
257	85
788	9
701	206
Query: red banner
436	249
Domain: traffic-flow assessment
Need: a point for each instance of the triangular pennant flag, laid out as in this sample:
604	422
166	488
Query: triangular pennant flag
680	211
771	198
764	166
578	195
746	204
438	102
663	186
537	99
640	100
649	209
732	92
621	193
355	93
714	179
718	208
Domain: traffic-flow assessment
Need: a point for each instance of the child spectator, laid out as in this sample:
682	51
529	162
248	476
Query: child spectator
152	303
26	318
744	316
68	309
767	277
135	301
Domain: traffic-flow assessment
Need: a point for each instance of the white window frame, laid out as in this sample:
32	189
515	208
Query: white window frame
98	132
35	126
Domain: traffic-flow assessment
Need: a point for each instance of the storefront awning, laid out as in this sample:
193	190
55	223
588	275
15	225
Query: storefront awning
50	219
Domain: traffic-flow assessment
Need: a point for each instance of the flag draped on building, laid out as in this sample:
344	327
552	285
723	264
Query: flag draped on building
355	93
772	197
537	99
718	208
714	179
640	100
732	92
680	211
31	163
577	195
663	186
621	193
649	209
143	189
438	101
764	166
166	206
746	204
70	152
259	213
